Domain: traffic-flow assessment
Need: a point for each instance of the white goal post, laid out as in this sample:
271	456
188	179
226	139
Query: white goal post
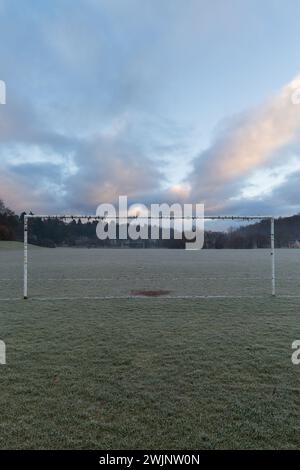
27	217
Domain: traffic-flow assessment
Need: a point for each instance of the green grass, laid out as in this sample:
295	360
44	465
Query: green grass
144	373
158	374
11	245
6	245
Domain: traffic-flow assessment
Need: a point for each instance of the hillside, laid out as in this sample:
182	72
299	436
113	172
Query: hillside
287	231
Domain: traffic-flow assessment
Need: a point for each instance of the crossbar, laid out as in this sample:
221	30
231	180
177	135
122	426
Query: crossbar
132	217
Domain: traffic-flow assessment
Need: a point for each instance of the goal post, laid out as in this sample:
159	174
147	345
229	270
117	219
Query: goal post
273	256
26	256
27	218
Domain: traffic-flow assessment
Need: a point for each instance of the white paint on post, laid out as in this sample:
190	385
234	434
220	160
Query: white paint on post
273	256
25	257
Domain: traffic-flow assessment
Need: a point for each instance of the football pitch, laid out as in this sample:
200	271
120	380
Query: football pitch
92	364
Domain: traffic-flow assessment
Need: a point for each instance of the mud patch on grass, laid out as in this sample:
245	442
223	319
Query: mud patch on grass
149	293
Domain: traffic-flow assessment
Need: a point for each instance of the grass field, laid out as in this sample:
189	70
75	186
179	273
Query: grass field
4	245
134	373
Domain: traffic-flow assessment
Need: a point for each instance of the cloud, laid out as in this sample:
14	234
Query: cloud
109	167
283	200
46	171
247	143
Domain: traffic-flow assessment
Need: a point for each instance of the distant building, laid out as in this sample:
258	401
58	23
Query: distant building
294	244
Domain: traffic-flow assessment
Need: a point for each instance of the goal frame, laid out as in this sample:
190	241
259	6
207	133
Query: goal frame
27	217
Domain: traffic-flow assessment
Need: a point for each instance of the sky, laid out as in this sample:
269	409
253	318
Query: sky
159	100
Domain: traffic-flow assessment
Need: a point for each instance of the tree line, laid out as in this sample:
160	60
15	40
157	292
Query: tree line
56	232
